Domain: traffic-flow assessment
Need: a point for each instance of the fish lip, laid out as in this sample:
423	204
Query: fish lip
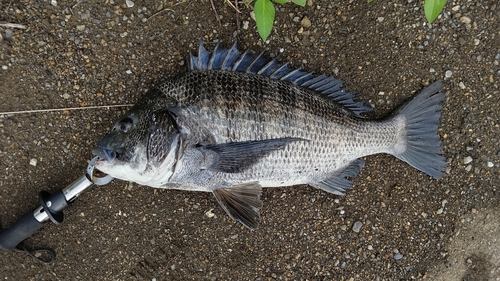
105	154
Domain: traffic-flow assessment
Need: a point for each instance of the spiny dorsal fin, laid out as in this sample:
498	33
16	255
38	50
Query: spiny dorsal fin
233	60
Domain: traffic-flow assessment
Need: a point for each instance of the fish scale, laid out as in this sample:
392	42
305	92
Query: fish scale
237	122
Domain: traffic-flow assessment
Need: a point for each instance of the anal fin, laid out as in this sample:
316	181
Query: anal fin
241	202
338	184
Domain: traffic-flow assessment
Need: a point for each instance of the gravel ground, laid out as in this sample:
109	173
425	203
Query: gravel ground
395	224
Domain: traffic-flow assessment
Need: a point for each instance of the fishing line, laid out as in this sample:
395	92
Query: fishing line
63	109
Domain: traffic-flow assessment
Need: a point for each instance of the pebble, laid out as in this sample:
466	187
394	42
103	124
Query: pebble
448	74
465	19
96	21
33	162
490	164
8	33
468	168
461	85
245	24
129	3
305	22
4	67
80	27
357	226
398	256
467	160
209	213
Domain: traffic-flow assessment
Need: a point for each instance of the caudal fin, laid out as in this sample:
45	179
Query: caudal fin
423	146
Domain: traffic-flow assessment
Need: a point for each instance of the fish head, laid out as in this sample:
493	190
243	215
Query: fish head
143	146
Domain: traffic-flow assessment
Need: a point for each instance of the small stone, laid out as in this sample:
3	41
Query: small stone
4	67
490	164
80	27
128	71
357	226
96	21
66	96
305	22
245	24
33	162
439	211
9	33
468	168
129	3
448	74
465	19
380	19
209	213
398	256
424	215
53	3
467	160
370	247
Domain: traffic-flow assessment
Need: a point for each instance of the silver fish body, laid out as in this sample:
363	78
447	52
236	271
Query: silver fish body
238	122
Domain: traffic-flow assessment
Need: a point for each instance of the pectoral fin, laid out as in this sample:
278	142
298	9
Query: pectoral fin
235	157
241	202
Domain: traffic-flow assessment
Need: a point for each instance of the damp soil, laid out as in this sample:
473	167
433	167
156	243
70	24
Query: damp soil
99	53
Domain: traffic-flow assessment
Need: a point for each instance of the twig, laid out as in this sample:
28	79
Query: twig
237	14
159	12
12	25
62	109
215	11
234	6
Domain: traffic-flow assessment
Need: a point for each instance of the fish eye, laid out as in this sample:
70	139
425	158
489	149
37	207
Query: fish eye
125	125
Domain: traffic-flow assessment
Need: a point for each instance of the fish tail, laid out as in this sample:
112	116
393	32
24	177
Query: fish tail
420	145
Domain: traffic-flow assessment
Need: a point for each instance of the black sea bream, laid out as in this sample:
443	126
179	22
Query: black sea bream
237	122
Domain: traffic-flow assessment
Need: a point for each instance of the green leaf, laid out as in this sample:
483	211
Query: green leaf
432	8
281	1
300	2
369	1
264	17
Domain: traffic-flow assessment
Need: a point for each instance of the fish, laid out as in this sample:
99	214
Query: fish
236	122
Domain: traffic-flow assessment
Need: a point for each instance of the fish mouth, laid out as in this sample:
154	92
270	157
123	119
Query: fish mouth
103	153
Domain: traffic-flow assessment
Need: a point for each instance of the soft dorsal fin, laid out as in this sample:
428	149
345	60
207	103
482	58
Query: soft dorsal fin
233	60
